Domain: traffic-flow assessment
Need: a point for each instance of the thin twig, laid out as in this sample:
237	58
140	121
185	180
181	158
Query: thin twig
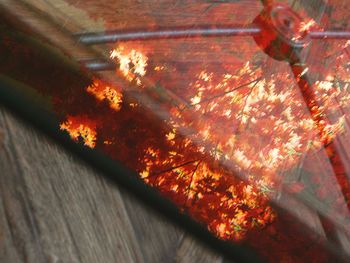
175	167
245	102
191	180
227	92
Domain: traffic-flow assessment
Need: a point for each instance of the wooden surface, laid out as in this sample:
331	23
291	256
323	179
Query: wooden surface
55	209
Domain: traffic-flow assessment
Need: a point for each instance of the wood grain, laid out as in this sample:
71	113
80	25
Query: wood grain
55	209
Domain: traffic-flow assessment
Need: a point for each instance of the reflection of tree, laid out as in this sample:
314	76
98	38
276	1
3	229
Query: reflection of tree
234	117
237	119
226	119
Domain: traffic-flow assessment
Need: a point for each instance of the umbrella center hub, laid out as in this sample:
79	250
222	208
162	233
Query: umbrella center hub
282	31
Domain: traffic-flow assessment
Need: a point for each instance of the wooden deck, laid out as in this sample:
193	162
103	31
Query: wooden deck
55	209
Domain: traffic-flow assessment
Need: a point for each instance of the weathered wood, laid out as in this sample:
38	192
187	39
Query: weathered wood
55	209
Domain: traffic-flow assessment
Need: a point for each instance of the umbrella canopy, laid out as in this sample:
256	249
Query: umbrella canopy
252	147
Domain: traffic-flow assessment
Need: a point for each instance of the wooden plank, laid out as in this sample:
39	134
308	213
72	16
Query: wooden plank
189	250
55	209
58	207
159	238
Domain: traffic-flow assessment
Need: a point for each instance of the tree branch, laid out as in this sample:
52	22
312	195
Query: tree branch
175	167
229	91
191	180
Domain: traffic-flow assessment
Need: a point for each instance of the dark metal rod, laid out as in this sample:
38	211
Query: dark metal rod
166	33
98	65
331	34
305	84
95	38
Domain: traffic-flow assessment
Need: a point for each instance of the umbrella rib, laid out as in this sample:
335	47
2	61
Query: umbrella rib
305	85
112	36
95	38
331	34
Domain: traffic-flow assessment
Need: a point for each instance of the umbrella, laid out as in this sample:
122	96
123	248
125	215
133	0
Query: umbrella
241	125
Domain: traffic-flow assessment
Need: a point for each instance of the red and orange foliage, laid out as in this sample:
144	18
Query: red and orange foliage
102	92
218	127
239	123
81	129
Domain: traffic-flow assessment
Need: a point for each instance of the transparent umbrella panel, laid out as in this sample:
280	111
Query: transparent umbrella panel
243	126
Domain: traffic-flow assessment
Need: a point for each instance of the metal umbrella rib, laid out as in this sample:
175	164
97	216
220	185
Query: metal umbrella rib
112	36
95	38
